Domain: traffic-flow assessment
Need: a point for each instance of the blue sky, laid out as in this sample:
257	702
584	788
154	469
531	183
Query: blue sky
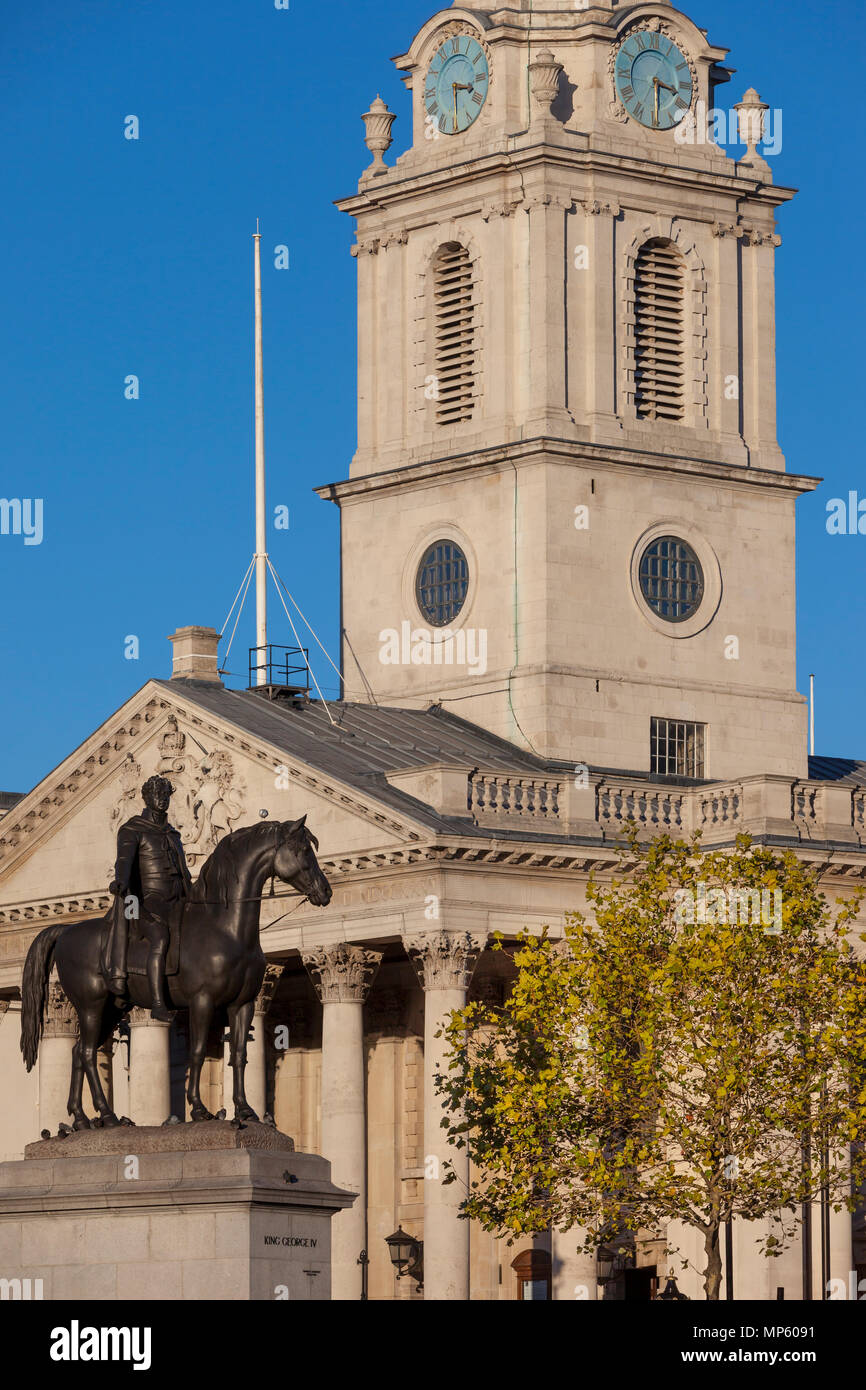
134	257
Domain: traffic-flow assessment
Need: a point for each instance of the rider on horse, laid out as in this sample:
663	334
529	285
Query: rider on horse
152	868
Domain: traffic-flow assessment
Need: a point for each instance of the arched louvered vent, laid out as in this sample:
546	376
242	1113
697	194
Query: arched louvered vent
659	332
454	330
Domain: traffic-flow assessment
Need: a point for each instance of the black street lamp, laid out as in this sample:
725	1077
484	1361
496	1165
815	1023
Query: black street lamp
407	1256
670	1293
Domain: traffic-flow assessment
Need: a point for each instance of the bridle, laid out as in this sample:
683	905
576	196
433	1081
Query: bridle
266	897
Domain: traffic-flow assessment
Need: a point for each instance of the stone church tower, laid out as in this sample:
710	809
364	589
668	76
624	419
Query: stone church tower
568	517
568	543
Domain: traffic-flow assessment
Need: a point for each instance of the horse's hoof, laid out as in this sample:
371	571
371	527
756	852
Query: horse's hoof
247	1117
199	1115
83	1123
110	1121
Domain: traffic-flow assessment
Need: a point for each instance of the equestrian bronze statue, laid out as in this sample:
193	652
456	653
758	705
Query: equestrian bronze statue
170	944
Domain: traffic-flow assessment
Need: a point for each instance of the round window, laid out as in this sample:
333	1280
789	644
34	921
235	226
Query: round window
442	583
671	579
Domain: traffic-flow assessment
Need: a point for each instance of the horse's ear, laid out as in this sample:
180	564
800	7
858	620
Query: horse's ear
293	827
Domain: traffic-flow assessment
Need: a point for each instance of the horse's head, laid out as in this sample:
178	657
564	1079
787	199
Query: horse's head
295	862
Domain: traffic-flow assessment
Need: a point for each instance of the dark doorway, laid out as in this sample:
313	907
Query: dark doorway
641	1284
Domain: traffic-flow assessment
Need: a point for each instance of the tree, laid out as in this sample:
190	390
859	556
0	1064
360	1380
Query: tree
696	1052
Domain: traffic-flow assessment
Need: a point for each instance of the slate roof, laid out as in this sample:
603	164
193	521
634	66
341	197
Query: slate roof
369	741
844	771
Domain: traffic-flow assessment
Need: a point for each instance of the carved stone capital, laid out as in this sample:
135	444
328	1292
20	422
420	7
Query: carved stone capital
61	1020
273	974
342	973
594	208
723	229
548	200
445	960
399	237
140	1018
369	247
490	210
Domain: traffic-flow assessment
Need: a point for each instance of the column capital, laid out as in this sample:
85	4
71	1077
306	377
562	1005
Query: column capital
265	995
141	1018
445	960
61	1020
342	973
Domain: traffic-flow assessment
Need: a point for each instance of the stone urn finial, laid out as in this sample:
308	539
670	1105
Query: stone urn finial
378	121
544	74
750	112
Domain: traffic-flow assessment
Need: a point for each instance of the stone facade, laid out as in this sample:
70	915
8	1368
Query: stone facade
438	842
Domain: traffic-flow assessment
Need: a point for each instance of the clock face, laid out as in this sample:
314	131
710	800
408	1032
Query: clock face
457	83
653	80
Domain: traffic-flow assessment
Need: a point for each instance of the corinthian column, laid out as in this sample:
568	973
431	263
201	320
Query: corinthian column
55	1059
342	976
445	962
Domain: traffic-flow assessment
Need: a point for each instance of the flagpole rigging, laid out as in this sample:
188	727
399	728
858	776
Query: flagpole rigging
261	509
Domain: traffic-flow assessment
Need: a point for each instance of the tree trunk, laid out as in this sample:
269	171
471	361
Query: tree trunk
713	1272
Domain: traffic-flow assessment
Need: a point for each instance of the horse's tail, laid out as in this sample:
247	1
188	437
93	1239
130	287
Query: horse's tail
37	969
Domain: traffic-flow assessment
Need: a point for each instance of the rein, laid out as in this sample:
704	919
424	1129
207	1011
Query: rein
260	897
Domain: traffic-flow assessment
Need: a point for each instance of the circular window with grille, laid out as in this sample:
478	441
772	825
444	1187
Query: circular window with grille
442	583
671	579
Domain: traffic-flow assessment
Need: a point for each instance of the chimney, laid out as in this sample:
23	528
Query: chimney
194	655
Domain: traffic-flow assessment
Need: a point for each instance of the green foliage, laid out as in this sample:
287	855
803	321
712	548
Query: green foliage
653	1066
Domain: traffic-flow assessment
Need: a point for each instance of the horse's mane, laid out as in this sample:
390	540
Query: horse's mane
219	874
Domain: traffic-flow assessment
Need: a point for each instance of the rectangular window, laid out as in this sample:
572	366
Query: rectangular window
677	748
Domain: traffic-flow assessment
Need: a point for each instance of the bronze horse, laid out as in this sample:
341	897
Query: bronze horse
221	964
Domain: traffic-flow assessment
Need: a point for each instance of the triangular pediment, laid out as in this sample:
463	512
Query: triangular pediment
58	843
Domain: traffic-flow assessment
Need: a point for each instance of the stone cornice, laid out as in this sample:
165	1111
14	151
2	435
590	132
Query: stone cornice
501	457
568	156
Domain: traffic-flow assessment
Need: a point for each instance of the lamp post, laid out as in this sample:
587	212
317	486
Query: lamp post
670	1293
407	1255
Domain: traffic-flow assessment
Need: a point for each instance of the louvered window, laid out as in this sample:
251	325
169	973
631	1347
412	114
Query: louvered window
659	350
454	329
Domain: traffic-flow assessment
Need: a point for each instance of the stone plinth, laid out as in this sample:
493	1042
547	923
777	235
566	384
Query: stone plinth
183	1212
158	1139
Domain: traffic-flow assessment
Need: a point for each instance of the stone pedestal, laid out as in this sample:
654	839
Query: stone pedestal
184	1212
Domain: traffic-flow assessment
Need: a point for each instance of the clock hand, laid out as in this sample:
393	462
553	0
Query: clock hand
655	101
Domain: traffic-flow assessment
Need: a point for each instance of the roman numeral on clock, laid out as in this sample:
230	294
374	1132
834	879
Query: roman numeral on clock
682	67
681	105
640	41
478	98
627	91
685	86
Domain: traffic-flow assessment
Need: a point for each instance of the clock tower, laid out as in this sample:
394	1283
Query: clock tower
568	518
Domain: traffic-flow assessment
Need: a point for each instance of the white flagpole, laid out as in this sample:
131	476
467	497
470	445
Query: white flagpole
261	512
